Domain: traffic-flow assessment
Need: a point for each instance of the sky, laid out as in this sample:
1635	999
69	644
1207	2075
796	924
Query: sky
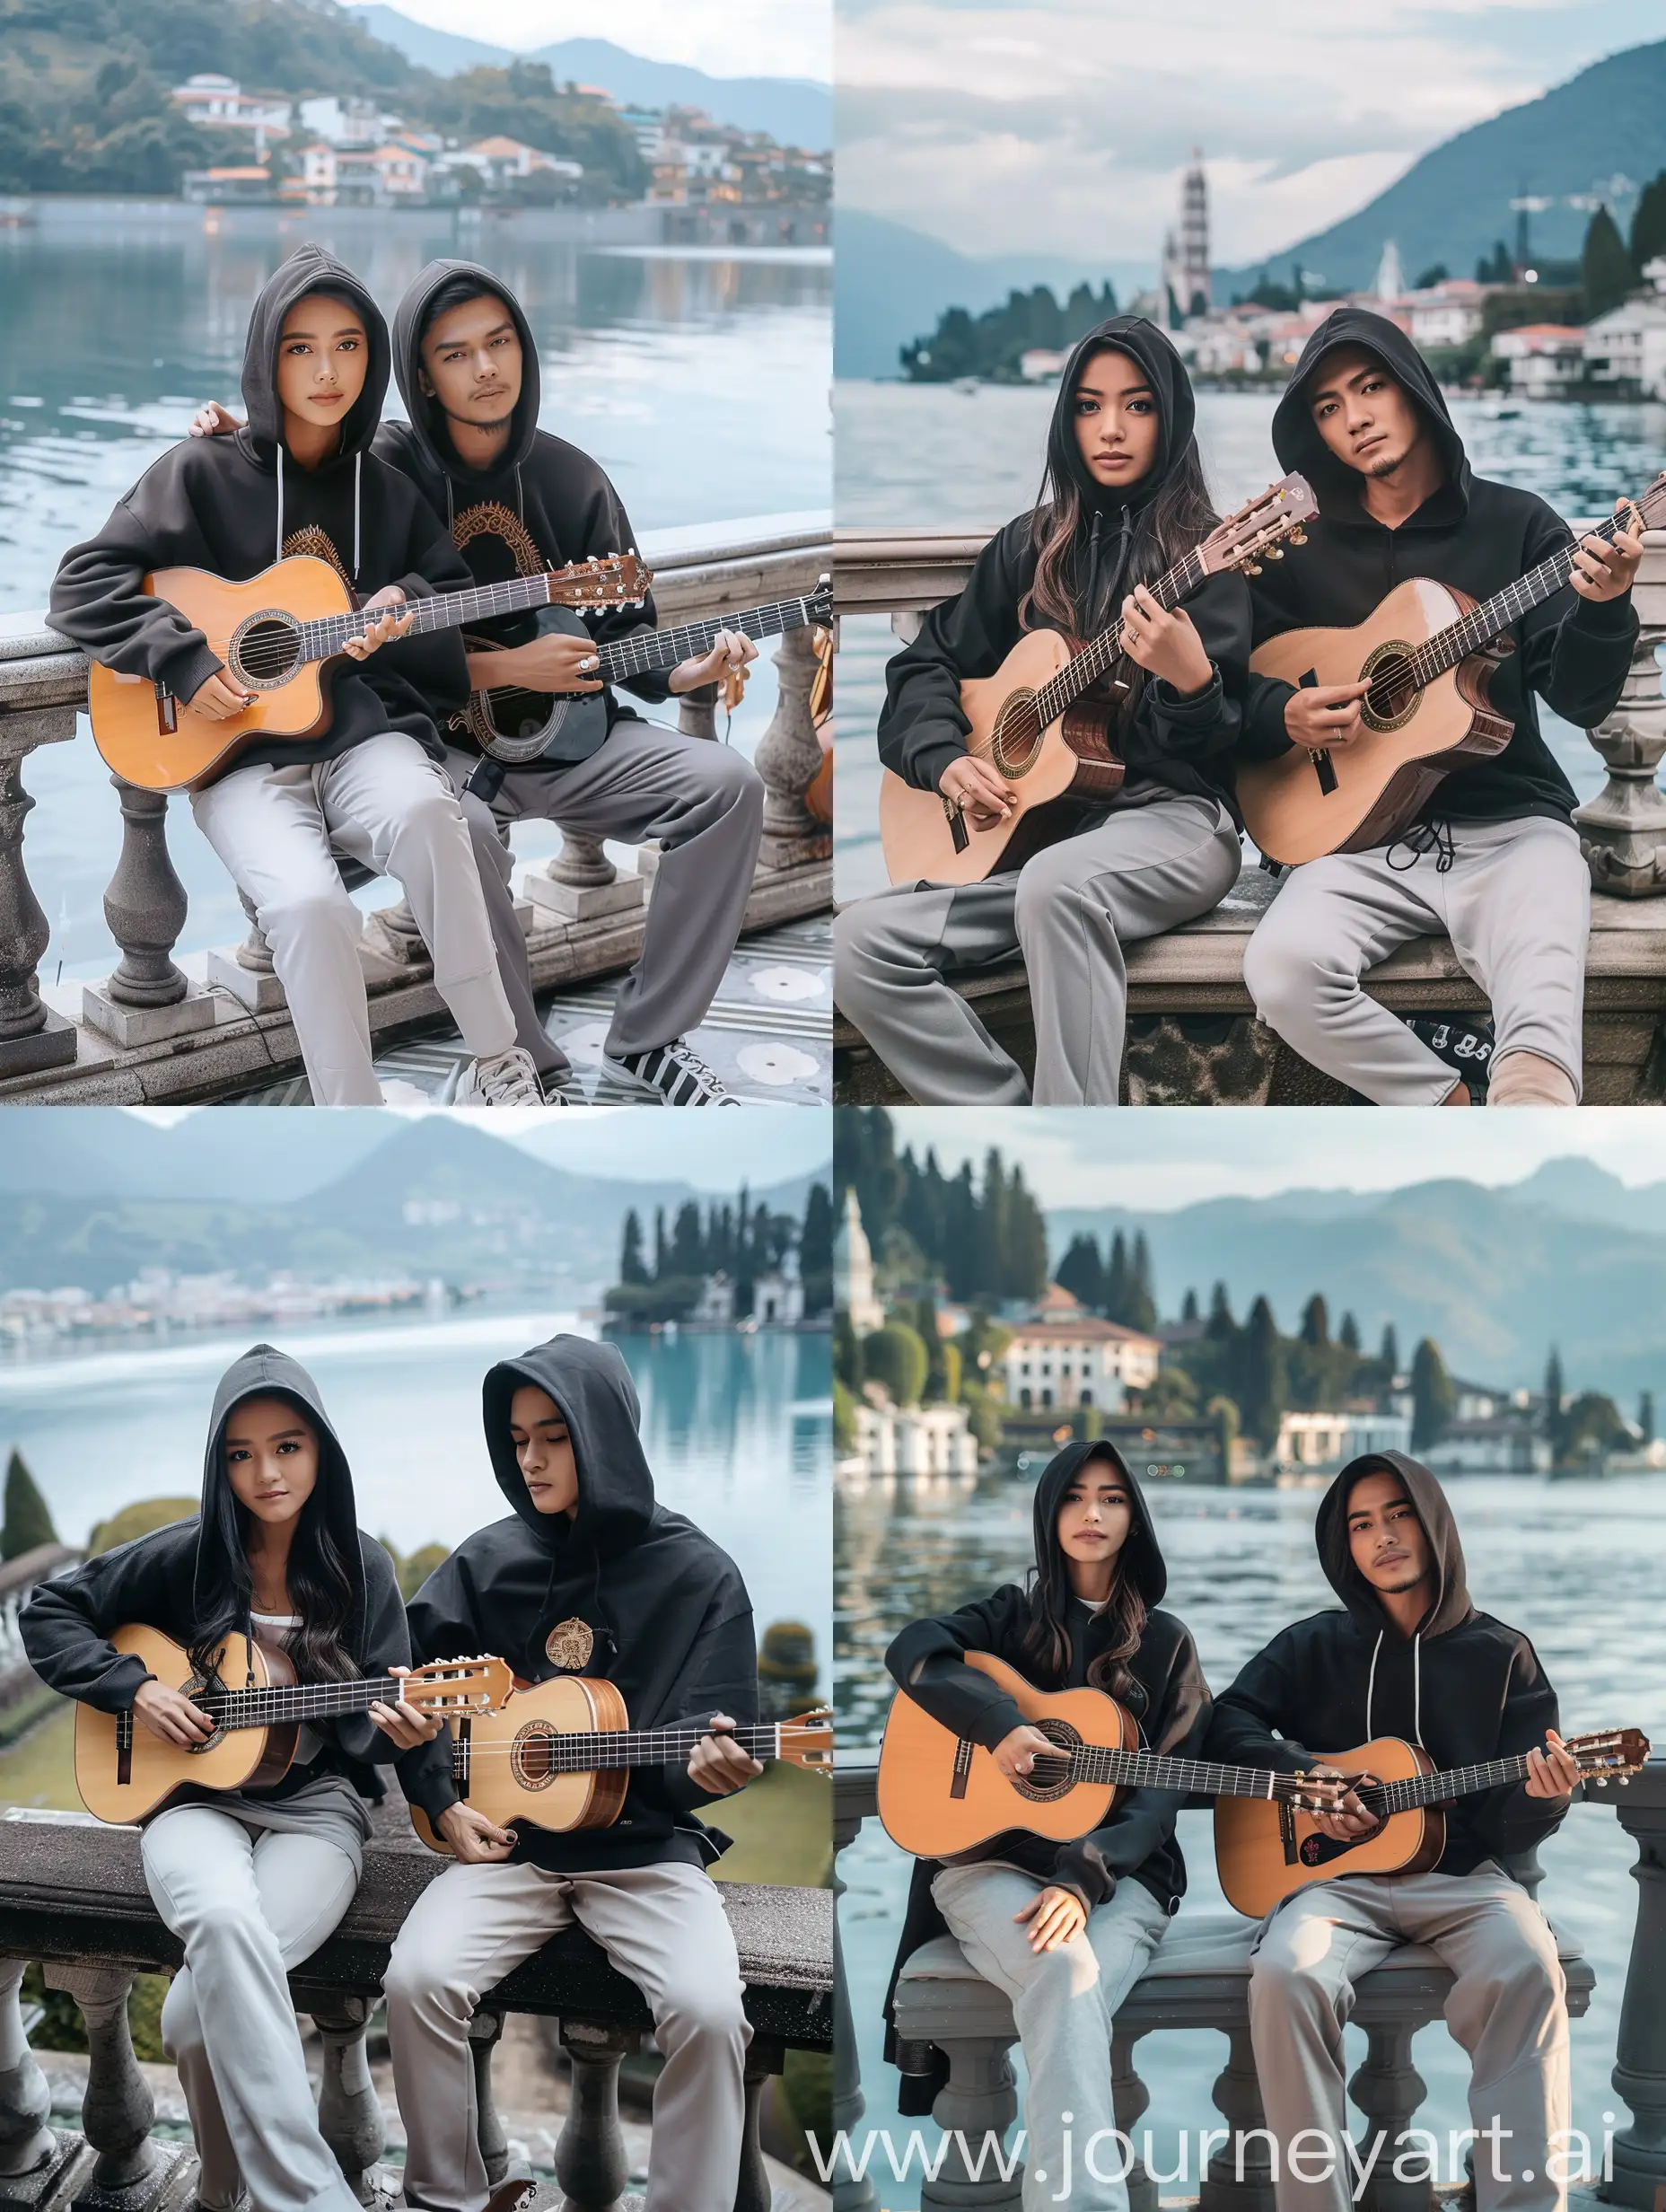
1162	1159
1063	125
728	38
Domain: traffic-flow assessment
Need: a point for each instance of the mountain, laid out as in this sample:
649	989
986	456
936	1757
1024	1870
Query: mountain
1454	203
891	283
65	1152
794	111
1571	1257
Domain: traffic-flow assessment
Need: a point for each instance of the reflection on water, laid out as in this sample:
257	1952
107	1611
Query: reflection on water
922	455
1573	1564
699	383
737	1430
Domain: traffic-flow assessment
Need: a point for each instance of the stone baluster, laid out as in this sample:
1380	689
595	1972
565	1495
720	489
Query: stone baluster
978	2101
1622	832
788	755
849	2195
485	2030
349	2111
249	973
1240	2176
118	2110
1639	2174
1129	2098
26	2142
592	2164
146	998
766	2056
580	883
31	1036
1388	2090
697	712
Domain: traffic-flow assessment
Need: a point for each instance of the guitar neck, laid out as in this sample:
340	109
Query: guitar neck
691	641
1429	1789
1459	639
286	1704
1095	1762
1091	662
589	1753
445	610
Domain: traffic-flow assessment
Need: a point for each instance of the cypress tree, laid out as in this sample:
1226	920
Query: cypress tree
1605	266
1026	1241
1348	1336
1646	1416
1262	1393
1648	223
1221	1328
1188	1306
27	1522
1390	1354
1316	1323
1142	1295
631	1266
1432	1395
1555	1390
1119	1286
661	1252
1082	1272
935	1388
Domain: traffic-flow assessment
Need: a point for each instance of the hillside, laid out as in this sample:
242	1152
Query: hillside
1453	204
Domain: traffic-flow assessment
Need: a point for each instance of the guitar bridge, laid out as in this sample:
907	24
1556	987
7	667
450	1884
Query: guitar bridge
167	712
1324	767
462	1759
958	834
124	1748
962	1767
1287	1832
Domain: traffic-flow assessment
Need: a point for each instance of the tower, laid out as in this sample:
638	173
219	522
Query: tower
1390	282
853	1271
1194	286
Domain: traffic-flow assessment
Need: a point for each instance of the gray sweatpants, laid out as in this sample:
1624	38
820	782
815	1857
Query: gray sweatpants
1063	2002
703	802
247	1910
386	805
1516	904
1070	911
1508	2008
663	1926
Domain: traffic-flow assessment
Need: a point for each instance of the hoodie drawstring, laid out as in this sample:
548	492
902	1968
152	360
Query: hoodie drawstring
277	553
1435	836
1371	1682
358	466
1417	1686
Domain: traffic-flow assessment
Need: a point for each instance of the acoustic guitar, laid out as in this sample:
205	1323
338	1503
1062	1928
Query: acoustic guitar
514	726
941	1795
125	1773
558	1754
1427	651
280	635
1267	1852
1030	723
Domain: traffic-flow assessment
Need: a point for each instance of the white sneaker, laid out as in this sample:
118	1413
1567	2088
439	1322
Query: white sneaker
506	1079
678	1073
397	1092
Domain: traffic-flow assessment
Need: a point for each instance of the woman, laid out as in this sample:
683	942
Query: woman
1122	500
252	1881
1066	1929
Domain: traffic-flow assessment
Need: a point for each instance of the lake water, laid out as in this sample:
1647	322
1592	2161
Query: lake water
916	456
698	381
737	1428
1553	1558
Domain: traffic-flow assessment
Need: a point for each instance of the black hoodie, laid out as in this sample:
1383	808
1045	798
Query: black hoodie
669	1615
1465	1687
1169	743
542	505
1471	534
234	504
168	1580
1170	1702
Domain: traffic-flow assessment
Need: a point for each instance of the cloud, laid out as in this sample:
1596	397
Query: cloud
727	38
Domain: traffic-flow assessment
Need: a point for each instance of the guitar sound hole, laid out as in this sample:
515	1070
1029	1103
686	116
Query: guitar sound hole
1017	735
1050	1778
266	651
197	1688
1392	700
532	1756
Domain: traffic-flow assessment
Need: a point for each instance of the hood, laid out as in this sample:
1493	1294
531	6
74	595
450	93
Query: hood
309	269
1451	1606
426	420
263	1371
592	1386
1296	439
1141	1558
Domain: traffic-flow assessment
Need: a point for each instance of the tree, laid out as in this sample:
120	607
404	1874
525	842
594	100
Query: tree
1556	1393
1261	1398
1316	1323
633	1268
895	1358
27	1522
934	1391
1496	267
1348	1336
1605	266
688	1241
1436	273
1220	1328
815	1249
1648	223
1432	1395
1141	1302
1118	1284
1188	1306
846	1352
1082	1272
1388	1355
1646	1416
660	1254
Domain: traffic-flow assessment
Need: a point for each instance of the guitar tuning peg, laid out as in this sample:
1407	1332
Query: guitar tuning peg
1275	552
1298	537
1253	569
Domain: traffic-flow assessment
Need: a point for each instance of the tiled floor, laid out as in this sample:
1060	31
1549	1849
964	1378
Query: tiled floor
767	1035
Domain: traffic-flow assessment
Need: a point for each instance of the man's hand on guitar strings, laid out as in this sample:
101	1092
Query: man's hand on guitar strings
170	1717
1603	571
474	1840
730	650
1553	1772
718	1765
1055	1917
402	1724
382	629
1349	1820
1320	715
982	793
218	698
557	662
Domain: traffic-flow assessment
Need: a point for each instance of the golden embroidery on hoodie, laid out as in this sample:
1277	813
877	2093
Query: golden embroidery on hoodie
492	519
318	543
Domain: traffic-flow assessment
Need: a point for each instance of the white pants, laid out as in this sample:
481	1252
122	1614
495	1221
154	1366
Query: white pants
247	1910
386	805
663	1926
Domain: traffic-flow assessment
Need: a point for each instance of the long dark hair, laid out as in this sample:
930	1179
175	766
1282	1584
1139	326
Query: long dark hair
321	1585
1047	1638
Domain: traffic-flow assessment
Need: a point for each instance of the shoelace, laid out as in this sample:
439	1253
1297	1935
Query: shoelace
510	1076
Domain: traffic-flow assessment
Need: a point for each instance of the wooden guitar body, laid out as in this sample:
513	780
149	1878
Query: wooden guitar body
511	1777
1304	805
1072	762
125	1773
150	739
940	1795
1266	1851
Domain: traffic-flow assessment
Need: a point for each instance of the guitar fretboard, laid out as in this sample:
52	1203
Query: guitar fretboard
691	641
1428	1789
297	1702
622	1747
1061	690
329	633
1095	1762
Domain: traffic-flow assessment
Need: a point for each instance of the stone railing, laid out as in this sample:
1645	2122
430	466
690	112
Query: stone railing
1192	1039
73	1897
1200	1980
148	1032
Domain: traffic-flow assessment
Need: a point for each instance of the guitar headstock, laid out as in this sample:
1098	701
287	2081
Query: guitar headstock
1258	529
1650	510
807	1740
457	1686
818	606
609	580
1608	1754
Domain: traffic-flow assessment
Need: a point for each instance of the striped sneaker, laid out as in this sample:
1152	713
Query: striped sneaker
506	1079
678	1073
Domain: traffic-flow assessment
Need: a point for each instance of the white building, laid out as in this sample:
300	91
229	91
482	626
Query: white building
1626	348
1507	1445
1542	359
1448	314
221	104
500	161
1079	1362
779	1297
715	1306
348	122
918	1440
385	176
1324	1442
853	1271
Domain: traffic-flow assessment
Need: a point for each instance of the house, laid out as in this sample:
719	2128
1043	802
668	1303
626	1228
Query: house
715	1306
912	1440
1318	1444
1542	359
646	126
779	1297
348	122
500	162
1077	1360
1448	314
222	188
853	1271
220	103
1508	1444
1625	349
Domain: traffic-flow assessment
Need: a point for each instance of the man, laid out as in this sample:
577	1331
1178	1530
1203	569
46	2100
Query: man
1409	1656
518	500
300	479
588	1575
1495	861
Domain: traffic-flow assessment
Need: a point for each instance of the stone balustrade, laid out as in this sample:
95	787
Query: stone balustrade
1200	1979
1192	1036
148	1032
73	1897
